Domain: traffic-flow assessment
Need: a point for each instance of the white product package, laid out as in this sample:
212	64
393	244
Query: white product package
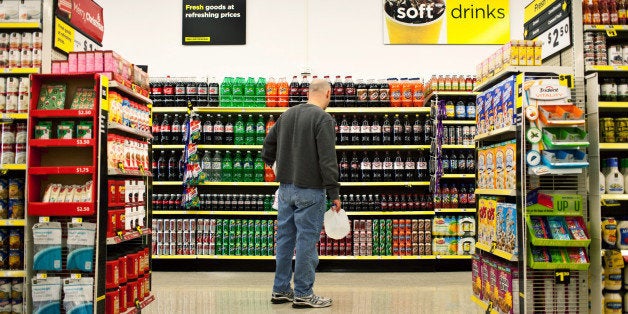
81	238
336	224
78	295
46	295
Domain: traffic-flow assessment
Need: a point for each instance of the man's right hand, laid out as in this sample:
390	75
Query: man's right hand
335	205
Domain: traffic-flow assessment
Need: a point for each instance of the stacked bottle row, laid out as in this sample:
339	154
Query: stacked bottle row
217	202
362	168
457	162
451	83
216	130
373	131
606	12
177	92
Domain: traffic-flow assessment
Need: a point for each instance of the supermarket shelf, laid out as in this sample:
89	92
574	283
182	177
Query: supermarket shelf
129	92
19	71
484	305
418	183
458	122
60	209
239	184
240	109
614	197
142	304
351	257
62	143
174	256
130	130
613	104
167	182
505	255
455	210
511	70
131	173
458	176
450	93
78	170
606	68
62	113
605	27
170	146
12	223
447	146
379	109
127	235
613	146
399	213
13	167
495	133
502	192
212	212
380	147
376	258
453	256
169	109
20	25
14	116
12	273
241	147
240	257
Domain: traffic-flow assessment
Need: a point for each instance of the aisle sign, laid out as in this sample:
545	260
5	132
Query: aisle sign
446	22
68	39
214	22
550	22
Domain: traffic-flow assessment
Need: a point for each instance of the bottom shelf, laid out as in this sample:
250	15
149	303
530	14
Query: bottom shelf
371	258
140	305
484	305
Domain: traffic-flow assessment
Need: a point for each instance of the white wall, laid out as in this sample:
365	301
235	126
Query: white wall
283	37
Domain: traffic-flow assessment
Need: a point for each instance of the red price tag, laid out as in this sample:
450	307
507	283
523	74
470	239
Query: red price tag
82	170
82	209
82	142
85	113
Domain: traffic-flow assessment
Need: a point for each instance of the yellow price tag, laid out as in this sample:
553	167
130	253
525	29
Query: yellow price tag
120	235
77	220
566	80
42	276
139	229
75	276
611	32
121	166
44	219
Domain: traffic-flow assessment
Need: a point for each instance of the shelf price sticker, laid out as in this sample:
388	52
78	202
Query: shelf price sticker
82	170
83	142
489	307
82	209
42	276
77	220
493	247
44	219
563	277
611	31
121	235
121	166
83	113
139	229
75	276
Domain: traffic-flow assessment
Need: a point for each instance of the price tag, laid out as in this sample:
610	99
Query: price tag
611	31
141	169
139	229
489	308
563	277
121	166
42	276
120	235
82	170
82	209
44	219
82	142
77	220
75	276
138	305
493	247
557	38
85	113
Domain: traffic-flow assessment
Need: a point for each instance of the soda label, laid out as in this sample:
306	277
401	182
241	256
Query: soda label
422	165
388	165
219	128
228	128
365	165
398	165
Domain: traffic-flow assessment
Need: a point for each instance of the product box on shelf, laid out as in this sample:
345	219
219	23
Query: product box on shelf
507	228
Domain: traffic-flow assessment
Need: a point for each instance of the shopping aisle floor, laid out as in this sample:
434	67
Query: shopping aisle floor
243	292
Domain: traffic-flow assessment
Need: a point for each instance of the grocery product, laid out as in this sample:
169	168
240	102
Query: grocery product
52	97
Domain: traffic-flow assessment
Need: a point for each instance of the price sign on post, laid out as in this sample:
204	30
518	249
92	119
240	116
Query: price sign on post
550	22
556	38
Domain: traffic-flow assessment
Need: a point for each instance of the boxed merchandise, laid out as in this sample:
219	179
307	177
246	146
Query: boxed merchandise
489	172
507	228
492	291
508	288
489	110
476	278
65	130
499	166
508	102
510	155
481	168
84	130
83	99
445	246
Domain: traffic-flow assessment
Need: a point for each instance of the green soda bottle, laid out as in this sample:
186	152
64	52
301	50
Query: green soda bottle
247	167
238	92
237	167
260	92
238	131
260	131
226	92
258	168
227	168
249	92
250	131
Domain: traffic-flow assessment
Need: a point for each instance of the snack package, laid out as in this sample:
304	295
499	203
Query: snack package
540	227
52	97
576	228
558	228
84	130
578	255
43	130
540	254
83	99
65	130
559	255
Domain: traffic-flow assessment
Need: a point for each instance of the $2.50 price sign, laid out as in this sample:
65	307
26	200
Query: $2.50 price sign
557	38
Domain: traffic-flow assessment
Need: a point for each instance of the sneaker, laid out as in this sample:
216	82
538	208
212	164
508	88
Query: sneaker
311	301
282	297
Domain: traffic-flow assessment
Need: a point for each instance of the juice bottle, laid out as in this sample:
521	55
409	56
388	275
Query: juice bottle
395	93
418	99
586	12
271	93
595	13
283	93
614	15
406	93
270	123
621	12
604	12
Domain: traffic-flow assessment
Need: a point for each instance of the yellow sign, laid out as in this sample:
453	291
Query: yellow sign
446	22
535	7
64	36
197	39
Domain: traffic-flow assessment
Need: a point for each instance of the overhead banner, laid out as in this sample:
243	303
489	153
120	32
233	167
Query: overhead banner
433	22
84	15
550	22
214	22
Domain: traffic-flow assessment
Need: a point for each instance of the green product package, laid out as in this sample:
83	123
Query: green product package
65	130
52	97
84	130
83	99
43	130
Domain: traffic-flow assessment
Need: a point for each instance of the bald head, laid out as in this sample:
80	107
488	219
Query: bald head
319	93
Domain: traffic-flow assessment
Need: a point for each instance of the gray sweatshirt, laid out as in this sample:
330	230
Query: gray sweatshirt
303	144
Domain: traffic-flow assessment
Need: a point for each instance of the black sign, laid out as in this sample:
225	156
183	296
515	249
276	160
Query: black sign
563	277
546	19
214	22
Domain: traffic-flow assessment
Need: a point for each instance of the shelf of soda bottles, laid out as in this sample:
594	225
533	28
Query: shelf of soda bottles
129	92
407	184
14	116
613	146
12	223
129	130
500	192
511	70
236	147
505	255
127	235
13	167
454	210
240	109
214	212
19	71
613	104
62	143
381	147
389	110
450	93
395	213
20	25
139	305
459	176
170	109
488	307
350	257
450	146
458	122
12	273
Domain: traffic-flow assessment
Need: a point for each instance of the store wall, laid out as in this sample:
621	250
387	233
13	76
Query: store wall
284	37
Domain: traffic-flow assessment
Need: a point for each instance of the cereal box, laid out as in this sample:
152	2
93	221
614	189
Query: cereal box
521	45
493	287
484	274
538	52
498	107
508	102
489	172
476	278
489	110
479	110
530	53
499	166
508	285
491	220
514	53
510	170
481	165
482	209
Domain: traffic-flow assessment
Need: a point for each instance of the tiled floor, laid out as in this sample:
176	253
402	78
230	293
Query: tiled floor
242	292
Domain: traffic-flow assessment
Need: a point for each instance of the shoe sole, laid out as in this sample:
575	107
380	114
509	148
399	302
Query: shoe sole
280	301
308	306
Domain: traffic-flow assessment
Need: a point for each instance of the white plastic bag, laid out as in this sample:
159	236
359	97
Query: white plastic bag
336	224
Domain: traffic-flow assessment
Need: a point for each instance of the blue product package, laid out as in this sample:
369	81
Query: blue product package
81	239
489	111
78	295
47	246
508	101
46	295
480	119
498	107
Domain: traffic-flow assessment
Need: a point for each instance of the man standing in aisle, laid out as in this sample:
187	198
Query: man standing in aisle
302	143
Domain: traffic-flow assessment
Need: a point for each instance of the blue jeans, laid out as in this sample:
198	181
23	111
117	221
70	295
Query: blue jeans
300	221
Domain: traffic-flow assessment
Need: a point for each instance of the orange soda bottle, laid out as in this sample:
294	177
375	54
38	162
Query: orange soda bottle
282	91
418	99
406	93
395	93
271	93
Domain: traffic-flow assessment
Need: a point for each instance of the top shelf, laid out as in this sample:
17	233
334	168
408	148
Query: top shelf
329	109
129	92
511	70
450	93
20	25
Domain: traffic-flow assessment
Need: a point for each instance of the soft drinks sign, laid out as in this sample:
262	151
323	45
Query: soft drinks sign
446	22
85	15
